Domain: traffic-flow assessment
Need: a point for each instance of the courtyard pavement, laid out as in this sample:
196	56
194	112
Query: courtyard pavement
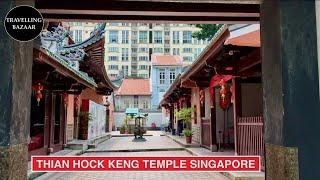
152	143
124	146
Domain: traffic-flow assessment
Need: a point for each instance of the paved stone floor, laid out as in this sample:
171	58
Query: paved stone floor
127	144
161	146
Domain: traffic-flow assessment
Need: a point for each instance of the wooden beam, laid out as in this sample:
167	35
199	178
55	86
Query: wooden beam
249	61
137	10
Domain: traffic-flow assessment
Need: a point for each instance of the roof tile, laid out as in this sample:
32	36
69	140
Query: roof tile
135	87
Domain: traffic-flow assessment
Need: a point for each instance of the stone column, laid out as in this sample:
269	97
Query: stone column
290	89
15	100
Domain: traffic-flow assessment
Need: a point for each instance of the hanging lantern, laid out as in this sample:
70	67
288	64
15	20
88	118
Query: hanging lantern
201	97
77	102
225	96
65	99
38	88
212	97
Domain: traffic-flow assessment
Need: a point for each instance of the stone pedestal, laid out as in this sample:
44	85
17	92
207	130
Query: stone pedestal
290	89
15	96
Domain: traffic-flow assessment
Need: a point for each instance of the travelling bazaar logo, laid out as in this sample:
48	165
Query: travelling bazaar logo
23	23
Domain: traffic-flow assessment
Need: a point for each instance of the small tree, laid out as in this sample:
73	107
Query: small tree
207	31
184	114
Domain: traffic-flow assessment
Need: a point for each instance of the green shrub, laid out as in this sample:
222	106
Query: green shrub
187	132
122	129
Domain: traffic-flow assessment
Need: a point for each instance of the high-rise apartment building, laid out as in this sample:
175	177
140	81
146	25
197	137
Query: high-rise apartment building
128	46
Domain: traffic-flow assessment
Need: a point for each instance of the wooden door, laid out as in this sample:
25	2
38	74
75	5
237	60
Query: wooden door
206	132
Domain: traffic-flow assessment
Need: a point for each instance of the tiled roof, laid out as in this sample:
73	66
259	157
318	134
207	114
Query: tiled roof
245	36
166	60
134	87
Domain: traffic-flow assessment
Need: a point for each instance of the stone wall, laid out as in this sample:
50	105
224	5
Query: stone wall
196	133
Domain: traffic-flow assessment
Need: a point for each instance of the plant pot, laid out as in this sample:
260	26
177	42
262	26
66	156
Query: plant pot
189	139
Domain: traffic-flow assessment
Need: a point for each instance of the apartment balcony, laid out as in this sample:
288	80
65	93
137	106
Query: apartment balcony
134	45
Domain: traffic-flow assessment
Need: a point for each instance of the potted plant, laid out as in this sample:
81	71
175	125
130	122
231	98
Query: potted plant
84	117
184	114
188	134
122	129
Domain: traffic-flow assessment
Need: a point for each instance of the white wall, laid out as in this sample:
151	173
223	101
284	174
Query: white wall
155	117
97	126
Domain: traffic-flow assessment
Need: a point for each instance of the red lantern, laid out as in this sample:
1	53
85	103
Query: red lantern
225	96
65	99
38	88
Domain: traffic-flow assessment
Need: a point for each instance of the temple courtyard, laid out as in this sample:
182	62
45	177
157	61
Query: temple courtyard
155	145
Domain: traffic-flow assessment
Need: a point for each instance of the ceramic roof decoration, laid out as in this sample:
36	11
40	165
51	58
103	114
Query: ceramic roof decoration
55	44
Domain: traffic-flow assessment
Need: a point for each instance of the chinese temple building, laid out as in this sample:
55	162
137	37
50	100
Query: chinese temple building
66	78
225	89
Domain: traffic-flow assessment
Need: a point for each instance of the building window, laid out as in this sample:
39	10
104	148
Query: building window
172	75
197	52
187	58
136	102
134	33
134	41
187	50
78	35
77	23
124	24
113	58
175	37
113	75
125	70
113	37
144	67
143	75
162	76
176	51
126	103
187	39
113	49
113	67
143	58
143	37
143	49
158	50
145	104
125	37
134	58
158	37
134	50
196	41
167	50
125	54
167	33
